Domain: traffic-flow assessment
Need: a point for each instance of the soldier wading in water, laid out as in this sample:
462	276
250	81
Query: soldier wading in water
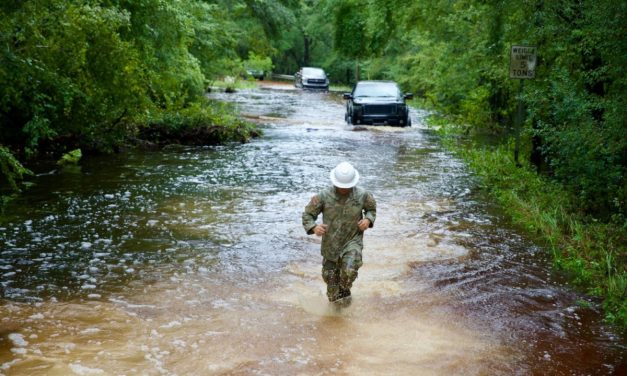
347	211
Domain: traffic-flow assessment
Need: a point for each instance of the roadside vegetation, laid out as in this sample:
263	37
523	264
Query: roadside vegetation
589	251
571	189
100	75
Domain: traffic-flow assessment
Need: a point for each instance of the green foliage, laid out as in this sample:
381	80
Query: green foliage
577	105
12	169
67	72
351	37
83	73
214	40
202	123
72	157
258	62
163	33
455	56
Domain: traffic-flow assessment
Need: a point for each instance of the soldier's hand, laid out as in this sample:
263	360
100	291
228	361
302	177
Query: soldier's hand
364	224
320	230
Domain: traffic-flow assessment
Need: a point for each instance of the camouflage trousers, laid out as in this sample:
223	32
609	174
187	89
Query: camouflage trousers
340	274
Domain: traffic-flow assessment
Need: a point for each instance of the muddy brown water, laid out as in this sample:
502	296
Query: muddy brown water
192	261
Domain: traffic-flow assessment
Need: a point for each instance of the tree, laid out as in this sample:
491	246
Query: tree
351	38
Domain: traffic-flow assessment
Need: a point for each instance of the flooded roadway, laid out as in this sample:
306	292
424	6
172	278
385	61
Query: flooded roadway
192	261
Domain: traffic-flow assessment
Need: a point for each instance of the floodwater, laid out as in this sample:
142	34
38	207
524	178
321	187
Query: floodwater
192	261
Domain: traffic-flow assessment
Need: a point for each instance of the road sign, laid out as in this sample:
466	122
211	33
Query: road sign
522	62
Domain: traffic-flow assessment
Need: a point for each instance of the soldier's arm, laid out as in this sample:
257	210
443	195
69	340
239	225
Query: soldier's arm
312	210
370	208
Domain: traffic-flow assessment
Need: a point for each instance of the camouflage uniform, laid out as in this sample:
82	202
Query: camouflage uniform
343	242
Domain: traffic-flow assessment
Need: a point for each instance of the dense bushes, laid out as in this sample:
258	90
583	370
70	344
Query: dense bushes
86	73
65	71
203	123
455	56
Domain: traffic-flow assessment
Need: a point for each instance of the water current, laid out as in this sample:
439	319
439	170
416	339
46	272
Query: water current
193	261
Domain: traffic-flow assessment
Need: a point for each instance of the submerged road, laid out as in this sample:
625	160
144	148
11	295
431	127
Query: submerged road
192	261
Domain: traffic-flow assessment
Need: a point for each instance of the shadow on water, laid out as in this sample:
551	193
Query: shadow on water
193	261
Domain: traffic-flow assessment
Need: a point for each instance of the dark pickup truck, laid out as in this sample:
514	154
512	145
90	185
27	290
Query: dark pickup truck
377	103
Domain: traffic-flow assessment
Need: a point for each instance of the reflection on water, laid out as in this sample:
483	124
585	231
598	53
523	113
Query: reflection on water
193	261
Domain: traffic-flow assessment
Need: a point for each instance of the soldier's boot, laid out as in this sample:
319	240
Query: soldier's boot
344	292
347	277
345	299
332	279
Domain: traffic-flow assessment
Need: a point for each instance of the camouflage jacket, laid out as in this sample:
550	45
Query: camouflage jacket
340	214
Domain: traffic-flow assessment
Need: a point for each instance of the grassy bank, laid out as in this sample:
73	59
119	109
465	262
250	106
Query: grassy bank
592	253
202	123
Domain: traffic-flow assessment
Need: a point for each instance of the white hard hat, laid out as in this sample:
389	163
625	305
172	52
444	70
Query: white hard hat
344	175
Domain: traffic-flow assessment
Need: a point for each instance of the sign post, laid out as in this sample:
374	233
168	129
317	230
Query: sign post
522	66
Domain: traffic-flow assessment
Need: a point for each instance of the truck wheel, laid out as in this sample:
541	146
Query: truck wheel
350	119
